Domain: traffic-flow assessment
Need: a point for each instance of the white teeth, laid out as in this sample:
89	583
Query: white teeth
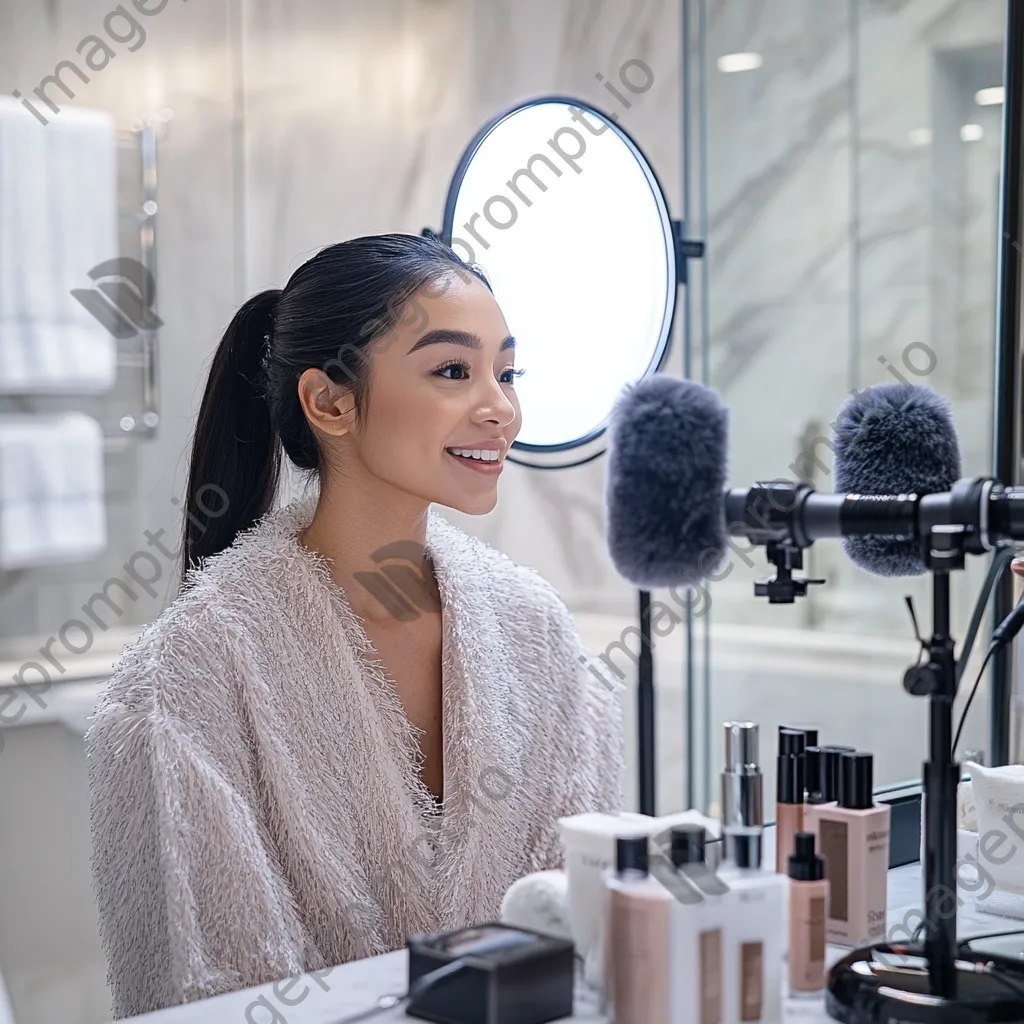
476	453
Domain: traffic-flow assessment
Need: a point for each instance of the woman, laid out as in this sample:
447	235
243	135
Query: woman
355	722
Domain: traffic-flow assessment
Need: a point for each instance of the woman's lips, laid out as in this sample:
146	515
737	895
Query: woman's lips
478	465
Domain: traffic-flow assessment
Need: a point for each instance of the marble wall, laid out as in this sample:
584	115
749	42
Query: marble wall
848	224
298	125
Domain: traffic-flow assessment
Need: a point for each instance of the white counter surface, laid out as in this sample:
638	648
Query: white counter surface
355	987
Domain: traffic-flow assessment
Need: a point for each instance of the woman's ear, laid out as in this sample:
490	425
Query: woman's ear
328	406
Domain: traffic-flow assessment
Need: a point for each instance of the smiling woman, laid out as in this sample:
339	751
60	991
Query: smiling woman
338	676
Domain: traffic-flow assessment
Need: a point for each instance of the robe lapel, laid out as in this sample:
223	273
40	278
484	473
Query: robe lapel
481	755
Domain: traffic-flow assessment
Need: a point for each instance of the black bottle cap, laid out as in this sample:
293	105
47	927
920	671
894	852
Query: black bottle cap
790	779
812	770
744	848
810	735
687	844
631	854
829	781
856	790
791	741
804	864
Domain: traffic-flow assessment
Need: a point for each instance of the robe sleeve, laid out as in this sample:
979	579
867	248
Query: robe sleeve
588	739
191	903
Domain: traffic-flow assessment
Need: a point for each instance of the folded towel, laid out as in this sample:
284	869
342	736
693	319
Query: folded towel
52	507
58	220
999	803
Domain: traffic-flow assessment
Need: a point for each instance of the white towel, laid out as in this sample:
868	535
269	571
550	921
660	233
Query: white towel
58	220
52	507
999	804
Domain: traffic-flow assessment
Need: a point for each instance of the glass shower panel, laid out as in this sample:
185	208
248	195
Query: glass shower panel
843	162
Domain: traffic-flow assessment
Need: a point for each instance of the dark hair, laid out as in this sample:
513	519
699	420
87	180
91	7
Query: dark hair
327	315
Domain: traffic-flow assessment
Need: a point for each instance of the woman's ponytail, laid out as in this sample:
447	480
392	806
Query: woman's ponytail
236	458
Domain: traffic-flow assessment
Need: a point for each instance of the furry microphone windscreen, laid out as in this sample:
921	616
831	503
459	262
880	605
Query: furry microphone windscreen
665	488
894	439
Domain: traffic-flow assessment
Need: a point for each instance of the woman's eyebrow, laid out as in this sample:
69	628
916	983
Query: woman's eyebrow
448	336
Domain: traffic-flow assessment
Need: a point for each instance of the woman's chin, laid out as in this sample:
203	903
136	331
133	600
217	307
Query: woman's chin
472	505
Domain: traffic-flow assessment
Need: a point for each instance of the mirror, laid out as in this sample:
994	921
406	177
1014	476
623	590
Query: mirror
561	210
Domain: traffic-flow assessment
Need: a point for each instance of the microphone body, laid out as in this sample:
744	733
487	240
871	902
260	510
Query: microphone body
991	515
897	463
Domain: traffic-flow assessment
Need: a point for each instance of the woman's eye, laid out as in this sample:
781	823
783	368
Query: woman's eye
443	370
507	376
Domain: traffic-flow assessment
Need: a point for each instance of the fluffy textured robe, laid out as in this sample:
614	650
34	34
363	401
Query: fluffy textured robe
256	801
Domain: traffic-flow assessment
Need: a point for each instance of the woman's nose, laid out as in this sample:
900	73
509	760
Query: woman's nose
496	405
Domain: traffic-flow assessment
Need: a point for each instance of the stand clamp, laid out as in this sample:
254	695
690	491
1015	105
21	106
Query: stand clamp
784	588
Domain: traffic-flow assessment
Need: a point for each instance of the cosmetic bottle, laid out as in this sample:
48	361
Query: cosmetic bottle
637	975
789	794
810	735
589	843
823	773
742	781
808	907
852	836
755	919
698	917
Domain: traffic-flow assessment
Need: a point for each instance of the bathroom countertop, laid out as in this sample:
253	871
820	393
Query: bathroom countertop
354	987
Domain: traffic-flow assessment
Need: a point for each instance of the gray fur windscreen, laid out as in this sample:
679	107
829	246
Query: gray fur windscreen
894	439
668	450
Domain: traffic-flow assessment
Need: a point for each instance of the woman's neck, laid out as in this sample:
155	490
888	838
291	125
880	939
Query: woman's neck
359	538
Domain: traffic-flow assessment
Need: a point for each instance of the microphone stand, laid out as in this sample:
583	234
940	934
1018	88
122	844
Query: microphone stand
937	680
957	985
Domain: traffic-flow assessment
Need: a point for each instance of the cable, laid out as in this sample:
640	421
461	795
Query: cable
1000	560
974	689
415	990
966	943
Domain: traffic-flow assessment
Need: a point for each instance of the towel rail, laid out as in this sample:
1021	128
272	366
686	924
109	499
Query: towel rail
144	138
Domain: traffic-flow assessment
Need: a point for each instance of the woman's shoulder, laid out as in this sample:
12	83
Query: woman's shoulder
191	650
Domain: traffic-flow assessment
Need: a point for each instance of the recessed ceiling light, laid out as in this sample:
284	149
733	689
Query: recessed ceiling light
921	137
971	132
730	62
990	97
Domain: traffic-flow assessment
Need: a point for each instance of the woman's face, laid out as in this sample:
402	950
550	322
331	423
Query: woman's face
440	381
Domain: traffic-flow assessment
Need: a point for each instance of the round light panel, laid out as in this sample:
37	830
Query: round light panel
561	210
